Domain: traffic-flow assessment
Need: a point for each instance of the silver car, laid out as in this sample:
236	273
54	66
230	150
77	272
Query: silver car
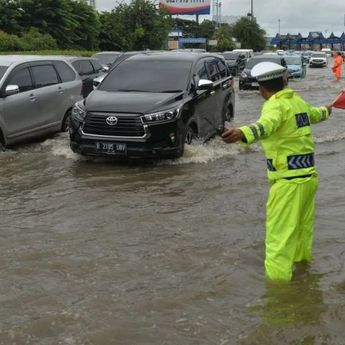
37	94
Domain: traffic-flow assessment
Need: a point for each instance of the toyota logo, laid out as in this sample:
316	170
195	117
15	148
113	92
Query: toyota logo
112	120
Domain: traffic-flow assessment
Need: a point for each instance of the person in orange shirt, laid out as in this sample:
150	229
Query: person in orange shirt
337	63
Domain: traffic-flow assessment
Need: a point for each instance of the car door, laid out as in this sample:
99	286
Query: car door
20	111
50	94
218	74
204	102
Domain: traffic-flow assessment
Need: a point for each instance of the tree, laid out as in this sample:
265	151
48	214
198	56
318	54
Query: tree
11	14
249	33
223	35
138	25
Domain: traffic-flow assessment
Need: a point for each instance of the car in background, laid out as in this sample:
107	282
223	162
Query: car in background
106	59
318	59
248	53
306	55
88	69
37	94
296	66
327	51
235	61
246	81
151	104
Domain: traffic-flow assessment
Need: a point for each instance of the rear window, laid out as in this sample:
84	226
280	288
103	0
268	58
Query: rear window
85	67
97	66
148	76
44	75
106	59
3	69
66	73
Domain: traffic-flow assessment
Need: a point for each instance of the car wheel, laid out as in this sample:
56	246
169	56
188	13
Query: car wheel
191	134
2	147
228	113
66	121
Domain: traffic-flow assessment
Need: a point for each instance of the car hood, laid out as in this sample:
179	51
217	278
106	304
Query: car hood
130	102
248	72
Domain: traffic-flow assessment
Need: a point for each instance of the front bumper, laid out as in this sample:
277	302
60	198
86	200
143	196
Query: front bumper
163	140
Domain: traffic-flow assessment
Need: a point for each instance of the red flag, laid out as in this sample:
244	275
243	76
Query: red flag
339	102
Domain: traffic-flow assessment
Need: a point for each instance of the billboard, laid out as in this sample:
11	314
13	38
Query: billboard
186	6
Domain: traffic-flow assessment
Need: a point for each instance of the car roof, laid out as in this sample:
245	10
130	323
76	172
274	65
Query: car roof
169	56
8	60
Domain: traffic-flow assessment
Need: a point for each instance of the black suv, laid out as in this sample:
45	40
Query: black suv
151	104
246	81
235	62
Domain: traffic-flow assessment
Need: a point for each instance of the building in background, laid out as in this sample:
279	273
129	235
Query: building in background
92	3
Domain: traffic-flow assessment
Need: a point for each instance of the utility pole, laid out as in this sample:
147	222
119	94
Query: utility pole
251	10
279	26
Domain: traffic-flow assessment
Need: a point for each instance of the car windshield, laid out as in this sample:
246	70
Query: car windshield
319	55
2	71
148	76
252	62
293	60
106	59
230	56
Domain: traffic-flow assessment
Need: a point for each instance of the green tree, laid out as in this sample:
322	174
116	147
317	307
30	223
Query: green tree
223	35
135	26
249	33
10	16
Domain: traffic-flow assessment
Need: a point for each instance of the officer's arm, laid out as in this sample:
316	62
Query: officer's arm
318	114
270	119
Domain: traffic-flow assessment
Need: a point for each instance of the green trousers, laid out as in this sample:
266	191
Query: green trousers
289	225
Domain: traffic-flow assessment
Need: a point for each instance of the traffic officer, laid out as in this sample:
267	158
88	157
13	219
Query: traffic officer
284	129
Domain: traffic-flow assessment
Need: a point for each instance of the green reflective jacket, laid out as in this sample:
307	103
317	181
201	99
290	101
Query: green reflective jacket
284	129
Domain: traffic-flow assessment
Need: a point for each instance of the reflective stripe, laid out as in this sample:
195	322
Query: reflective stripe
323	114
262	129
300	161
270	165
255	132
302	120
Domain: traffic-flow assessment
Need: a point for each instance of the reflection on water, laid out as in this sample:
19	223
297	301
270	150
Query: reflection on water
286	306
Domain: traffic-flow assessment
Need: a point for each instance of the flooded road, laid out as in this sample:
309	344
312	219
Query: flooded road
97	253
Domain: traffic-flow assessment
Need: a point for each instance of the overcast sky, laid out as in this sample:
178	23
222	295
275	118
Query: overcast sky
295	15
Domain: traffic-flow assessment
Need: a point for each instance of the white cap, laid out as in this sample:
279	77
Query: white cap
267	71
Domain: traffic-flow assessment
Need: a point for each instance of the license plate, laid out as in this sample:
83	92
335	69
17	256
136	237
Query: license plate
255	84
111	148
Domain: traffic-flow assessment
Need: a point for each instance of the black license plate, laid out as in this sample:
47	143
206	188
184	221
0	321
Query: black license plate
111	148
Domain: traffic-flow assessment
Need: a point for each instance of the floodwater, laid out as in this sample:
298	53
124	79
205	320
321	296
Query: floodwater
98	253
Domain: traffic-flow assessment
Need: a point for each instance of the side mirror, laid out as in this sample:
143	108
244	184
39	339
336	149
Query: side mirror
205	84
11	90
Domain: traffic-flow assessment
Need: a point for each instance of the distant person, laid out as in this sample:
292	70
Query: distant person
337	64
284	129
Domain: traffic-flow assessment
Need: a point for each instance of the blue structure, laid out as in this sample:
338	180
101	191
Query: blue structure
315	41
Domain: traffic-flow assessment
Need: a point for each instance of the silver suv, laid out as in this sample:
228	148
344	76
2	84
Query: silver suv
37	94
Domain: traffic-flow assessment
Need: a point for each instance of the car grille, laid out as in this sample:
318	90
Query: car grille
128	125
317	60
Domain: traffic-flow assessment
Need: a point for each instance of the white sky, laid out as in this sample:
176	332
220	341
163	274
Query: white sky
295	15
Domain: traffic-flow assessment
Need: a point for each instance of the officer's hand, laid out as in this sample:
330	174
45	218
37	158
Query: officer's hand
232	135
329	108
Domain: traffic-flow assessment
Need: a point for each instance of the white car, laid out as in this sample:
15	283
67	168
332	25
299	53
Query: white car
318	59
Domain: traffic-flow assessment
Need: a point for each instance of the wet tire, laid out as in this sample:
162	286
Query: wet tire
191	134
228	114
66	121
2	147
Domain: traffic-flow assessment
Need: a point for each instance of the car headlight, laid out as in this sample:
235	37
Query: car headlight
165	115
243	74
78	112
